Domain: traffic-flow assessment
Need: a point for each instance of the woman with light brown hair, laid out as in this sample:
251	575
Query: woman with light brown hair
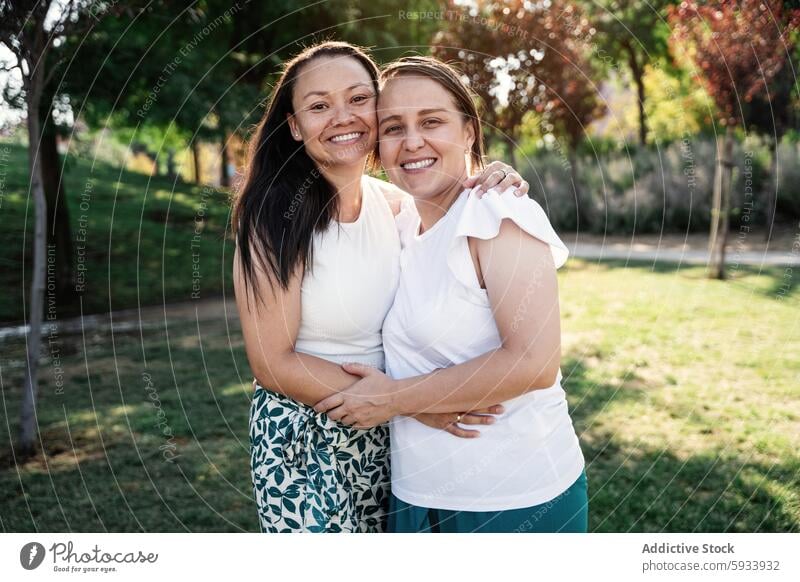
475	322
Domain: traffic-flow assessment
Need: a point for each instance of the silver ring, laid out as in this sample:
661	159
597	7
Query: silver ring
458	418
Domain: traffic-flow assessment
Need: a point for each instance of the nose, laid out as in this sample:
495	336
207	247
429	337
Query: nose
343	115
413	141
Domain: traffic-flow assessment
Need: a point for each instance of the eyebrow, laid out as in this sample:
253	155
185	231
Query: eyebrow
350	88
421	112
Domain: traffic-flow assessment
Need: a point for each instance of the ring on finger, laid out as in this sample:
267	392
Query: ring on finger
458	418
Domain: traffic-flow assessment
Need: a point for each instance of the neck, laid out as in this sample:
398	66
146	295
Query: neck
432	210
346	181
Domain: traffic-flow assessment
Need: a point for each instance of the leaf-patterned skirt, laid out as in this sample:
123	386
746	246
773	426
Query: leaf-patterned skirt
313	474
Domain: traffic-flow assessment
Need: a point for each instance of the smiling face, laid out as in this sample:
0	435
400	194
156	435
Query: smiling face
423	136
334	111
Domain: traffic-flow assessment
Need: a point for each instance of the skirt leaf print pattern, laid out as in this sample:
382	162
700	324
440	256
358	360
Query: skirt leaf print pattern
312	474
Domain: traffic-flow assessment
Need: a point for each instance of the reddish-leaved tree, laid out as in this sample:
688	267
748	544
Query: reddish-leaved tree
736	47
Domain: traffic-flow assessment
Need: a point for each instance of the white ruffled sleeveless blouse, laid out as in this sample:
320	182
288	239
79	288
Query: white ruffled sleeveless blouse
440	318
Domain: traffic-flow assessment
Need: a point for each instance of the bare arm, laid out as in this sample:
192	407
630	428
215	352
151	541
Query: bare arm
269	326
521	282
520	279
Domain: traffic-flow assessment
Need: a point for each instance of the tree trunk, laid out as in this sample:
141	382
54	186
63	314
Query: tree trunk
198	170
59	234
224	175
642	116
720	211
489	139
511	150
27	428
171	174
637	72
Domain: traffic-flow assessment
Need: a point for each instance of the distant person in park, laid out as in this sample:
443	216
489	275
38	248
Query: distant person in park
316	269
475	322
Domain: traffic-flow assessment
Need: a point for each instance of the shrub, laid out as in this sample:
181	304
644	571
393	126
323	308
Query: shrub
655	189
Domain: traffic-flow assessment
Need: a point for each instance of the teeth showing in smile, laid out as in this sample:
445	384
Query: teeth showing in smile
419	165
345	137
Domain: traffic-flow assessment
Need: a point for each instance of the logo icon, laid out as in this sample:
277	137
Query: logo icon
31	555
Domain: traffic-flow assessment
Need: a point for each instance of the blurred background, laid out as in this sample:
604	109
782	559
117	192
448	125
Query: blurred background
662	138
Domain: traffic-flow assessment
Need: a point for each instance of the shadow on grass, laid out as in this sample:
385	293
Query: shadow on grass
588	399
127	452
634	487
104	468
640	489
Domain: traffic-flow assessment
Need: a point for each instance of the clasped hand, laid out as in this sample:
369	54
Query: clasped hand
375	399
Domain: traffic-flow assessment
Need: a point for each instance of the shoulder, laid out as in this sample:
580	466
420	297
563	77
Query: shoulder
503	218
395	197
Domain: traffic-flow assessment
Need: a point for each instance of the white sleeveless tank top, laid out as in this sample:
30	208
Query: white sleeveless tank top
351	285
440	318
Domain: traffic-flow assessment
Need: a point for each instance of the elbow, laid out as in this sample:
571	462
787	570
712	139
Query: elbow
266	379
537	372
546	378
268	373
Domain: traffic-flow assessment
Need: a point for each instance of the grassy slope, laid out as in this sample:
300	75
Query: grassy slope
138	235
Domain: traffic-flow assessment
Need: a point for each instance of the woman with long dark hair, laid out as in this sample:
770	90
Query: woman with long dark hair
475	322
315	271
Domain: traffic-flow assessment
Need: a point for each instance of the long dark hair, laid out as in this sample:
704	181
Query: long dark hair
450	79
285	198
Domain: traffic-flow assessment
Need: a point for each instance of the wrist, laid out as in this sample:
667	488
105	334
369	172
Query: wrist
400	402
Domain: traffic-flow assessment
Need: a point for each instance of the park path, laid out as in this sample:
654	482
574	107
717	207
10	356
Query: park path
665	249
744	248
126	320
692	256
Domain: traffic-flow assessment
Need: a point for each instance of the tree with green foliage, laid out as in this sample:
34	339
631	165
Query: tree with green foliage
630	35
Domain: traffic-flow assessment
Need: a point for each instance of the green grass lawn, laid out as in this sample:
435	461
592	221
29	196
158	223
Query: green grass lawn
145	239
684	392
686	396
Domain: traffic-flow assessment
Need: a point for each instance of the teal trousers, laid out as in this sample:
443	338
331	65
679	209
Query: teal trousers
568	512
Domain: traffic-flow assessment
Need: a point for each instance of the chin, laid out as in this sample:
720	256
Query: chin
423	192
422	187
354	160
349	156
